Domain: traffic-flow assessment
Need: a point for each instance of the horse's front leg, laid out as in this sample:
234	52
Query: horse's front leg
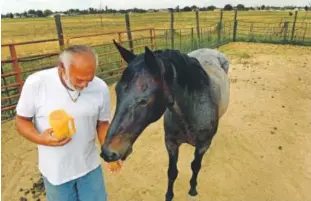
172	148
196	166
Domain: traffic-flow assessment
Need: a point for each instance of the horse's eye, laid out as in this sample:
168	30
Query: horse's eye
143	102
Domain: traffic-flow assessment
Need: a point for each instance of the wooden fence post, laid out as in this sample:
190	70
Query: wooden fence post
172	28
120	41
285	30
219	28
154	38
235	26
192	39
294	25
129	33
16	68
59	29
198	24
151	38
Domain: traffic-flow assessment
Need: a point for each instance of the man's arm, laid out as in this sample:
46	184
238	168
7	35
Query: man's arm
26	109
102	127
26	128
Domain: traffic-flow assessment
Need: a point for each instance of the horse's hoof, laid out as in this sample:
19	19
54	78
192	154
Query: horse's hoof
193	198
193	192
169	197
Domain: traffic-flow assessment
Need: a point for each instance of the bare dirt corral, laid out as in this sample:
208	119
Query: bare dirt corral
262	150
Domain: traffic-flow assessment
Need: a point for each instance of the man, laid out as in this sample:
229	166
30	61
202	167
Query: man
70	166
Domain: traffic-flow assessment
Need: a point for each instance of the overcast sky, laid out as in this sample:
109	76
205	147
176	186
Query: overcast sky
62	5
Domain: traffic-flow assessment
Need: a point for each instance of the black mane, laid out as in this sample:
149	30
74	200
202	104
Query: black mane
190	73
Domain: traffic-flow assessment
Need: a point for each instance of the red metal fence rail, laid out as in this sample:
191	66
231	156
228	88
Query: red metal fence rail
15	68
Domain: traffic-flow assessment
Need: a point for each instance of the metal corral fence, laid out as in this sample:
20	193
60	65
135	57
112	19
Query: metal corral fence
16	67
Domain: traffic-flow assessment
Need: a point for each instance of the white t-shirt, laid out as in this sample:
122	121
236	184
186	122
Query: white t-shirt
42	93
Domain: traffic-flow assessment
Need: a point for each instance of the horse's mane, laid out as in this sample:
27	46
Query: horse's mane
190	74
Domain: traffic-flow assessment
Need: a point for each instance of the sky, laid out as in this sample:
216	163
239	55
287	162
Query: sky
62	5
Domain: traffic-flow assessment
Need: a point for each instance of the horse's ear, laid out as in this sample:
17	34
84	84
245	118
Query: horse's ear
127	55
151	62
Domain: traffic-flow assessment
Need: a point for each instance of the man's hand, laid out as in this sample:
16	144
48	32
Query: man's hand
114	167
102	127
47	139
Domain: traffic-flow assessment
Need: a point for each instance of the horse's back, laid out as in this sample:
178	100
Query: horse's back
216	66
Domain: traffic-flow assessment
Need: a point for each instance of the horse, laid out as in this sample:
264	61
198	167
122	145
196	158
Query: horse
190	90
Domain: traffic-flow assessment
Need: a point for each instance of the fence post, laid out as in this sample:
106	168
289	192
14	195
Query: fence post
59	29
120	41
16	68
154	38
285	30
219	26
172	28
192	38
294	25
198	24
235	26
129	33
151	38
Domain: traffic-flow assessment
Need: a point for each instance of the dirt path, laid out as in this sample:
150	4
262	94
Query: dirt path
261	152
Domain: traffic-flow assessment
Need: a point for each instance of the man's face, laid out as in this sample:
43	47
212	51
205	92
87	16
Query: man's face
81	71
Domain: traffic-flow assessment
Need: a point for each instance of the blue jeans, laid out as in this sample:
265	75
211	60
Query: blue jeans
89	187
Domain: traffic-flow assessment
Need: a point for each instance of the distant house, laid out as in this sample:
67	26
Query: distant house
61	14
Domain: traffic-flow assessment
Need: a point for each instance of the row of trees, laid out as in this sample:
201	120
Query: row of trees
228	7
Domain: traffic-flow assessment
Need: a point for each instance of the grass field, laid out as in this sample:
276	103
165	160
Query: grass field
17	30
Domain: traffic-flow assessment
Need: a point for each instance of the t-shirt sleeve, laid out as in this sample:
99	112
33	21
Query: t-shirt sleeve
104	112
26	103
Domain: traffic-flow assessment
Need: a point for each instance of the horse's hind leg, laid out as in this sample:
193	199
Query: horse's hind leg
173	150
196	166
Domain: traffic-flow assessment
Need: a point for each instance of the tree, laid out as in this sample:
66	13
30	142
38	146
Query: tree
47	12
263	7
39	13
31	12
186	9
240	7
228	7
306	8
211	8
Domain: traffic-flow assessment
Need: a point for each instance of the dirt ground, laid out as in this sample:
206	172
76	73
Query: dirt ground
262	150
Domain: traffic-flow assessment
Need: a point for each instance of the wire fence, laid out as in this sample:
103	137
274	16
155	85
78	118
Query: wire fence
16	66
25	29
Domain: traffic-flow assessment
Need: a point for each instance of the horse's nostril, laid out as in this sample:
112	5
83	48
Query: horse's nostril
109	156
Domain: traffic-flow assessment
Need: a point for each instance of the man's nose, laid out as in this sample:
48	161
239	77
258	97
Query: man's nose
109	156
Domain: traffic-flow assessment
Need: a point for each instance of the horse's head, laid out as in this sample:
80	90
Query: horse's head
142	97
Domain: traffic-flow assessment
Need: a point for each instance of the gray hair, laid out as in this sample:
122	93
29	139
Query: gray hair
65	56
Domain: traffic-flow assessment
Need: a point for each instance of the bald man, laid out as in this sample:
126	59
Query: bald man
71	166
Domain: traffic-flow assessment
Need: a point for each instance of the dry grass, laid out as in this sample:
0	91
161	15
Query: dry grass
17	30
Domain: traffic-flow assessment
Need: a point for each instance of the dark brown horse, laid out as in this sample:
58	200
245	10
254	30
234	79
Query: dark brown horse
191	90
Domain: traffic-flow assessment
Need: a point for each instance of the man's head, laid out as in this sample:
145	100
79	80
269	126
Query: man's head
77	65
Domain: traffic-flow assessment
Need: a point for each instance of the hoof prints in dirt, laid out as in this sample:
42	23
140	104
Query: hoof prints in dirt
36	191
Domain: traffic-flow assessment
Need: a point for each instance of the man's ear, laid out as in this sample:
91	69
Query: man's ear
127	55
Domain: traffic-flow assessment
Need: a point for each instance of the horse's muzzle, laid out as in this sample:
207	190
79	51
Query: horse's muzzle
108	155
